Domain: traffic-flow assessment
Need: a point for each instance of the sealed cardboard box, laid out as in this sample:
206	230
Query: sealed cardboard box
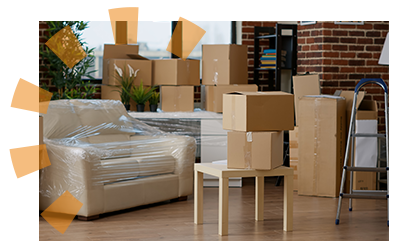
176	72
304	85
294	154
40	130
258	111
177	98
255	150
224	64
321	145
212	95
109	92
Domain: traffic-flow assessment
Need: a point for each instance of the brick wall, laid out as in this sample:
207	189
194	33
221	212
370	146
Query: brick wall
42	40
342	55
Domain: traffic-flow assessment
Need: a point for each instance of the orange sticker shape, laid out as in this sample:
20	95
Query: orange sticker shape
27	160
185	37
124	24
30	97
62	211
67	47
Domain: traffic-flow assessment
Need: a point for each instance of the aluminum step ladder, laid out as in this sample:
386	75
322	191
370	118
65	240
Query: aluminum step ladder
364	194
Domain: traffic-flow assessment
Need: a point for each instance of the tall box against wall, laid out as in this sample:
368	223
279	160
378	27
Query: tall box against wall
176	72
321	145
304	85
224	64
177	98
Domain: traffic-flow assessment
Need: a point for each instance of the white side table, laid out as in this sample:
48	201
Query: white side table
223	173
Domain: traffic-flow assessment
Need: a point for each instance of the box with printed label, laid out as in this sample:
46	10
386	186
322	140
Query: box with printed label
258	111
255	150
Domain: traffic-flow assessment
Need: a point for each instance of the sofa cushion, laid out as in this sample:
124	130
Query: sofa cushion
155	165
112	145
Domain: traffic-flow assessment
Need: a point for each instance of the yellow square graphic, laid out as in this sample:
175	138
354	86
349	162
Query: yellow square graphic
67	47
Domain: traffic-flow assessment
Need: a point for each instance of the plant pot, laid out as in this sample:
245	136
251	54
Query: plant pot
140	107
153	107
127	107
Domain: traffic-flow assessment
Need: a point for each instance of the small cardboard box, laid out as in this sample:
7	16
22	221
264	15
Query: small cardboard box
304	85
258	111
177	98
40	130
109	92
212	95
255	150
321	145
294	154
176	72
224	64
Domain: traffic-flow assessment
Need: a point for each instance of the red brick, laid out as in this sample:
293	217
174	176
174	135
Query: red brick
373	34
364	55
381	26
376	55
301	40
326	76
315	61
372	63
303	34
340	76
326	32
316	47
347	26
356	48
42	40
347	69
378	98
348	40
374	90
381	69
365	70
313	69
364	41
339	47
356	33
384	76
330	54
379	41
247	23
303	62
250	30
248	42
326	46
301	55
373	48
301	69
314	54
329	83
330	25
372	76
244	36
340	62
348	83
330	69
315	33
43	26
366	26
310	40
340	32
318	39
356	76
330	39
347	54
326	62
268	24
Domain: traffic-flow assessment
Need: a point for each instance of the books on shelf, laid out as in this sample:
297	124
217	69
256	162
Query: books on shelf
268	59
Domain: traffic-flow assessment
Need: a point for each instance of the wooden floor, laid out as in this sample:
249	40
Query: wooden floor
314	220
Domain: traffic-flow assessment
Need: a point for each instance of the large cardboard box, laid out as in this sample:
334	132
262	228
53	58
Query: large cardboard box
224	64
176	72
294	154
212	95
255	150
112	51
177	98
304	85
321	145
258	111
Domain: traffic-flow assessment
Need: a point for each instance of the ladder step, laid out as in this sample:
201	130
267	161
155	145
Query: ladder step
369	135
366	195
366	169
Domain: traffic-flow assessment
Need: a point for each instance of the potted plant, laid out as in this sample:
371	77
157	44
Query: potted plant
140	95
153	101
126	82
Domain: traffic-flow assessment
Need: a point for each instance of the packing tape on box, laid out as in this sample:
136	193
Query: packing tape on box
247	150
215	73
188	72
317	126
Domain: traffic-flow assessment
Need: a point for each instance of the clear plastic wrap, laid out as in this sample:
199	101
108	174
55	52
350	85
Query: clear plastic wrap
96	148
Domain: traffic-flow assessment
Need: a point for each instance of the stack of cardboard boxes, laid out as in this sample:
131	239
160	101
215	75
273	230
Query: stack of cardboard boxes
224	70
322	123
256	121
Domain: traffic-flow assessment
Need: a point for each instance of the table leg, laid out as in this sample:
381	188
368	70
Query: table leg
259	197
288	203
198	197
223	206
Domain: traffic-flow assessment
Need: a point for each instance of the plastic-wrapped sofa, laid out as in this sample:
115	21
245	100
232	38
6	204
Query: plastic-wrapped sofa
110	161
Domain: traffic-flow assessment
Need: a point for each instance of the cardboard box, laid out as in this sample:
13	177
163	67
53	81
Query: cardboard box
107	92
321	145
258	111
224	64
212	95
176	72
111	77
294	154
255	150
304	85
177	98
40	130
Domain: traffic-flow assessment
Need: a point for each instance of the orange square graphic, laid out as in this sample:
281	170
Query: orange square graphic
31	97
27	160
67	47
62	211
124	24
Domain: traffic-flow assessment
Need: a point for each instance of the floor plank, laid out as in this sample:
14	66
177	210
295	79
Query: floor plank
314	220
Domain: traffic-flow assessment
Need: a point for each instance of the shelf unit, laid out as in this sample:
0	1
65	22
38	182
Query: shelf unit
282	37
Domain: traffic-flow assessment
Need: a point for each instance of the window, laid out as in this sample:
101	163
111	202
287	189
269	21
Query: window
153	39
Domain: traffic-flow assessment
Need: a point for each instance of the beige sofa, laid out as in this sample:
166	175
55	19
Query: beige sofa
110	161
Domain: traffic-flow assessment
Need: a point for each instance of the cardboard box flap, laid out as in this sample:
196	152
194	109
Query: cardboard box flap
214	51
137	57
119	51
349	95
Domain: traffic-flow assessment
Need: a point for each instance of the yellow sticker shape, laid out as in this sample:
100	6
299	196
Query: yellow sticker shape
185	37
27	160
30	97
62	211
124	24
67	47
